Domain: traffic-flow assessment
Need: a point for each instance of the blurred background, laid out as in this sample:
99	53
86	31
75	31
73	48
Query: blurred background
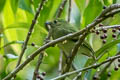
16	17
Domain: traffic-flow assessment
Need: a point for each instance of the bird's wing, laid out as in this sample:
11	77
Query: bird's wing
88	46
85	44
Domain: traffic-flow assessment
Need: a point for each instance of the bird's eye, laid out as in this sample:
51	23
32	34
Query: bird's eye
55	21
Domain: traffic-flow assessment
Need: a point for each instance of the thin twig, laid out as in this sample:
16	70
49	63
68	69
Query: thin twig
38	65
12	42
107	66
61	8
42	48
78	76
87	68
75	49
17	42
47	39
60	62
74	52
97	20
30	32
69	10
107	10
108	27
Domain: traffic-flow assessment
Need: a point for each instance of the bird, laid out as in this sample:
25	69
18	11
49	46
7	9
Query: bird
59	28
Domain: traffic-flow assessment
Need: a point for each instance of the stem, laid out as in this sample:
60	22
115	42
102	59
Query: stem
87	68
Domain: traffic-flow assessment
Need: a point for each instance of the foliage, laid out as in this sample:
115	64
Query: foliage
16	17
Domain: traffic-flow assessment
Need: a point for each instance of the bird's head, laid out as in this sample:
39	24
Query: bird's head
55	23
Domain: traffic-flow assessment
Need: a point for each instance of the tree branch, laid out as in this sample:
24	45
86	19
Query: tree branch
74	52
107	66
61	8
12	42
60	62
90	26
69	10
38	65
108	27
30	32
87	68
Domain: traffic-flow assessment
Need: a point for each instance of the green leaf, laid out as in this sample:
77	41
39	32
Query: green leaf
80	61
36	4
2	65
25	5
48	11
114	1
14	5
11	56
20	25
91	12
108	2
81	5
10	19
106	47
37	37
2	3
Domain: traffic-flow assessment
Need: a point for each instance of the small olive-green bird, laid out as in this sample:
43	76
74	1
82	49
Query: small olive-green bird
59	28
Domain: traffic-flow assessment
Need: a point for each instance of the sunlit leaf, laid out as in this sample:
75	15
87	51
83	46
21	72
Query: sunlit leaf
106	47
26	5
11	56
108	2
1	63
10	19
81	5
1	44
2	3
18	26
14	5
88	15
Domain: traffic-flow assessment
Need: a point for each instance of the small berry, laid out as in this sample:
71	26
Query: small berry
100	25
97	32
116	68
105	35
33	44
104	41
102	37
118	59
109	74
114	35
113	30
43	73
104	7
39	77
118	65
104	30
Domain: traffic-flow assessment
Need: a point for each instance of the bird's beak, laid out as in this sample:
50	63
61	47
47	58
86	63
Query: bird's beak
48	25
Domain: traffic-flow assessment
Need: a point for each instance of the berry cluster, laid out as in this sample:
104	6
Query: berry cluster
116	68
103	32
